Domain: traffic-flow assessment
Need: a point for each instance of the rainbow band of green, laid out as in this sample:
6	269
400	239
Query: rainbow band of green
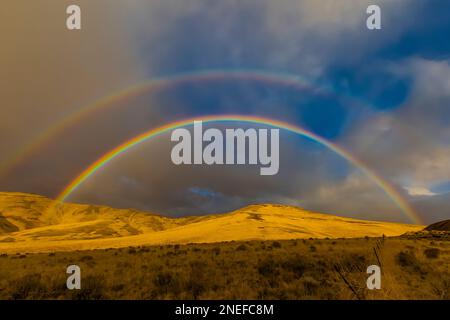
154	85
121	149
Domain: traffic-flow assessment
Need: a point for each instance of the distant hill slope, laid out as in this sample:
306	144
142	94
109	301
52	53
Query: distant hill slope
439	226
31	223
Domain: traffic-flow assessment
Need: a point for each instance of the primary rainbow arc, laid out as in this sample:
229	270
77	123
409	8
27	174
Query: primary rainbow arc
390	190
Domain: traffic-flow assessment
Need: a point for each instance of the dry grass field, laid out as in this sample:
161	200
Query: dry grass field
261	251
414	267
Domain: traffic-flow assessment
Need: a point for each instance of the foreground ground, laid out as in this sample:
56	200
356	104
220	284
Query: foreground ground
413	268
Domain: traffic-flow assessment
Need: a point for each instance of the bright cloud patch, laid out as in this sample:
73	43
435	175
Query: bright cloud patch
419	191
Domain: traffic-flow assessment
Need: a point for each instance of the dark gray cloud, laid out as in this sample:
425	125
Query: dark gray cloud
48	72
411	144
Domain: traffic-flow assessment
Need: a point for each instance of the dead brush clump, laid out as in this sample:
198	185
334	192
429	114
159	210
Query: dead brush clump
89	260
118	287
92	288
56	288
269	271
406	259
166	283
86	258
268	267
432	253
276	245
441	288
28	286
409	261
242	247
296	265
310	285
354	262
198	280
123	265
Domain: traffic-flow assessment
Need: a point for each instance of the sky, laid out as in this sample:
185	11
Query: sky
383	95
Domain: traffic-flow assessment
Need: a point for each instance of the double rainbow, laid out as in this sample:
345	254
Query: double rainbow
156	84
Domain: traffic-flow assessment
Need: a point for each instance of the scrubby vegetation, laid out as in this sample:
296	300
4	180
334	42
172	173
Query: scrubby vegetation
290	269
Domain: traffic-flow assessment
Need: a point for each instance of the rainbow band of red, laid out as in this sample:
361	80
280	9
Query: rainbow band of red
389	189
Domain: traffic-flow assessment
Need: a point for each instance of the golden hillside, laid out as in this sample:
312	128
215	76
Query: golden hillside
32	223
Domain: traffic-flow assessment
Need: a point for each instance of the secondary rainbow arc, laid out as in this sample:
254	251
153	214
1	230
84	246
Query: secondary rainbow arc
152	85
385	185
